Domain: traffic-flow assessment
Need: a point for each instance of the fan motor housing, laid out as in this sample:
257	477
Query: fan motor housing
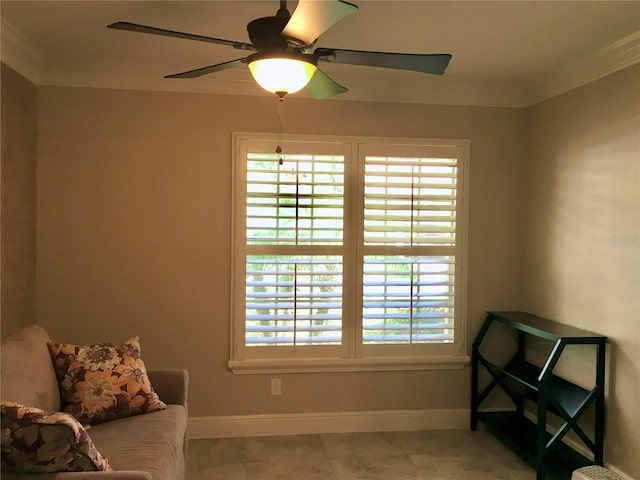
266	33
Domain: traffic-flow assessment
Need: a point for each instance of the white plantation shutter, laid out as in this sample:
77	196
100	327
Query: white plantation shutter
294	300
300	201
409	245
409	201
347	250
408	299
293	252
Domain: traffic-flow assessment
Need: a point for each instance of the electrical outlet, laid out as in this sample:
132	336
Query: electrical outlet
276	386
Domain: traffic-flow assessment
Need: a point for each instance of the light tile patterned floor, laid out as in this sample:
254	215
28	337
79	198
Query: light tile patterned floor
416	455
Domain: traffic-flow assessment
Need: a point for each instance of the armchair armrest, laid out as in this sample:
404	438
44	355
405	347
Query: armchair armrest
171	384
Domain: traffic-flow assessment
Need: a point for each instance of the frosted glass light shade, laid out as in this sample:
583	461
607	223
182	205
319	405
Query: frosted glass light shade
285	75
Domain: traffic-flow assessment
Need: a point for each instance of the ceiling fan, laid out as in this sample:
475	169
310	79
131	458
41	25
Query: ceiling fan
283	62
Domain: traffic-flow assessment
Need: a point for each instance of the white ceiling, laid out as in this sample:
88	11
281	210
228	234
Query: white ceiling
505	53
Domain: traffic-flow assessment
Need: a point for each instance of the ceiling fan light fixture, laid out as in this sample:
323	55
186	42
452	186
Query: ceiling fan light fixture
283	62
281	75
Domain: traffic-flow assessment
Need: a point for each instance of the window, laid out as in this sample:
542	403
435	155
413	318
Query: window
348	254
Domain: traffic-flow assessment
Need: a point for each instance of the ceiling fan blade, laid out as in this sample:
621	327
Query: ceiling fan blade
322	86
425	63
134	27
198	72
311	18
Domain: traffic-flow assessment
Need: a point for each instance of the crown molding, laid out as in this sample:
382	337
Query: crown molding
598	64
17	53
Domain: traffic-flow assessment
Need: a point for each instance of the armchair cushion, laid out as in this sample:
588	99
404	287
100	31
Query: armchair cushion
103	382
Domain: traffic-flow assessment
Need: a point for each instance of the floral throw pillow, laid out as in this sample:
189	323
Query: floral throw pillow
35	441
103	382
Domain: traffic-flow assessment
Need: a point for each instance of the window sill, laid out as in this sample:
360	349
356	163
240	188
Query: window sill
379	364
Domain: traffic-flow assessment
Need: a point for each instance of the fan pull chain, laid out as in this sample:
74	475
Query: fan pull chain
281	115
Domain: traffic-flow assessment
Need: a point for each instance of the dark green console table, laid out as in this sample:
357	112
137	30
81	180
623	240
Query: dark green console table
522	380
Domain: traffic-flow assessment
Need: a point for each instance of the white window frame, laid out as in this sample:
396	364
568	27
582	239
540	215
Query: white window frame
352	355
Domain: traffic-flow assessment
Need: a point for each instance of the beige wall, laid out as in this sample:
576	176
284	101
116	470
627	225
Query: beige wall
134	192
133	230
18	137
583	235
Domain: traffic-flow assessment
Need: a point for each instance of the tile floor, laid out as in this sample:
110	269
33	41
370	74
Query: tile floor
424	455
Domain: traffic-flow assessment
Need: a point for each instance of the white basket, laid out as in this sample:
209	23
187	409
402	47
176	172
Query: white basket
594	472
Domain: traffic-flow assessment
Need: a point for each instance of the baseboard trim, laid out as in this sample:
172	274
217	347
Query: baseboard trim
327	422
